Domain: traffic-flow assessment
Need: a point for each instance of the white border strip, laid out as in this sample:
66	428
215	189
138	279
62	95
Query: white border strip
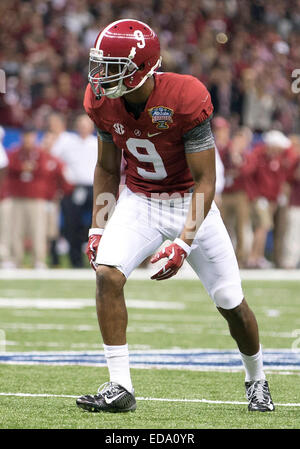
206	401
185	273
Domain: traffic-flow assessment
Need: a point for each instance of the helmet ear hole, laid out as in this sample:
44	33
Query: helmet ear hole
142	66
131	67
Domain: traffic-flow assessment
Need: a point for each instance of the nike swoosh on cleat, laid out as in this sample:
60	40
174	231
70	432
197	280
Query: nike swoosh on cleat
152	135
109	401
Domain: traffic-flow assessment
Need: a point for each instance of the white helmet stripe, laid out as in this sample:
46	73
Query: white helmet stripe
99	40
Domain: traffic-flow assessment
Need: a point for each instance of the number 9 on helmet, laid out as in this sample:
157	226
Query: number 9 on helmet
125	54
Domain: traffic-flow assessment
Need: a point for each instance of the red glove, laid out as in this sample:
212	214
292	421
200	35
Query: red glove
176	253
95	235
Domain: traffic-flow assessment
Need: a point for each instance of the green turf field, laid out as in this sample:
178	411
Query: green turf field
31	320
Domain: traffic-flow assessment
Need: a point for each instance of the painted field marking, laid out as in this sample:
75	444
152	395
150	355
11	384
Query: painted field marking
195	359
80	303
177	328
205	401
272	313
184	273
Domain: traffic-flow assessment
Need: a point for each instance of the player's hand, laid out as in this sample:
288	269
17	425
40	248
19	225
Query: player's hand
176	254
95	235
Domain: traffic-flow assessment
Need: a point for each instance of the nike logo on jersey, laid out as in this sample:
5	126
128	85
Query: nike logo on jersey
152	135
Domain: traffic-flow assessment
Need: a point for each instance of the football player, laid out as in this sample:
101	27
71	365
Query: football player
161	123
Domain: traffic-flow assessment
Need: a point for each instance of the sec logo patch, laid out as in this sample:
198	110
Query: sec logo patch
119	128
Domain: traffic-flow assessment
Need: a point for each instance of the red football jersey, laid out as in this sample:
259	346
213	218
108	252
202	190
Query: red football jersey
153	144
268	173
43	181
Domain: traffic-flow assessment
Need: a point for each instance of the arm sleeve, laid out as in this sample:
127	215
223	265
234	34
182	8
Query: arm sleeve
199	138
104	135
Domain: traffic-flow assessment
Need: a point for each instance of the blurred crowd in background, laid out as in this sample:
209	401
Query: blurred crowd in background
245	52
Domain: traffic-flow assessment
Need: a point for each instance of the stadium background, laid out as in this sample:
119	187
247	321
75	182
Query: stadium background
244	51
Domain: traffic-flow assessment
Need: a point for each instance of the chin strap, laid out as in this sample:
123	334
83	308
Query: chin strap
150	73
119	92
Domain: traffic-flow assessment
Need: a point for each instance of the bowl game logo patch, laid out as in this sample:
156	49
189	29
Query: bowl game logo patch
161	116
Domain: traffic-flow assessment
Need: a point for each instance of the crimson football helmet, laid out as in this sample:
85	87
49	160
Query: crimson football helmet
125	54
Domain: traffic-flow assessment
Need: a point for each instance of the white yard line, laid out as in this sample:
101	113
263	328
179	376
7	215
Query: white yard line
177	328
80	303
184	273
206	401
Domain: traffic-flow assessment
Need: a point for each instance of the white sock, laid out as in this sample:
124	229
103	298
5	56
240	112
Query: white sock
253	366
117	358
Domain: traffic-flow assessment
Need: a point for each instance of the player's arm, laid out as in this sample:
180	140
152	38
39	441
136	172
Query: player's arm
105	189
106	181
203	170
200	155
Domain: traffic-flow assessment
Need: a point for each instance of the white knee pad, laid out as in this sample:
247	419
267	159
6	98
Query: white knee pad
228	297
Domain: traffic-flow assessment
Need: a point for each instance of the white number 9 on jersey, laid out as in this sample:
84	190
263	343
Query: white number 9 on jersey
140	38
151	157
